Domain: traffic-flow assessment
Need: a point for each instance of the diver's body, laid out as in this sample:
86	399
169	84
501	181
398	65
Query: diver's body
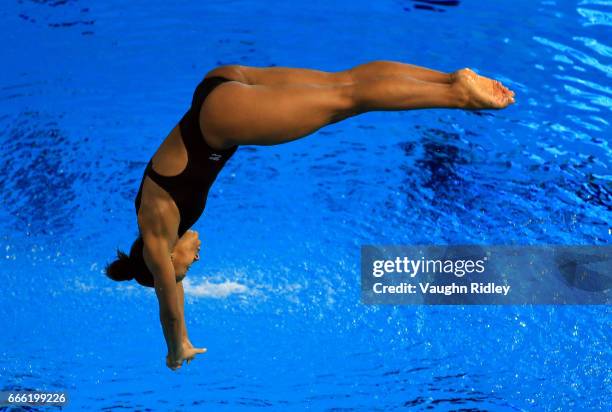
239	105
189	187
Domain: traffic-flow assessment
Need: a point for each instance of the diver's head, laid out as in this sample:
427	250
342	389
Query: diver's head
125	267
186	251
131	267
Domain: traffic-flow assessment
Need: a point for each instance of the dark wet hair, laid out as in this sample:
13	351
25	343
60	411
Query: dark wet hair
130	267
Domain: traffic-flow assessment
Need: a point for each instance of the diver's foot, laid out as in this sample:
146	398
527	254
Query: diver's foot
479	92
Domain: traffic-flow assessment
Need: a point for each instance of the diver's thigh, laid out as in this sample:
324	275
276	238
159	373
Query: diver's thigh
236	113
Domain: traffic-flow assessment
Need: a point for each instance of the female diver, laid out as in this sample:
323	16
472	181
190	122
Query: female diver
239	105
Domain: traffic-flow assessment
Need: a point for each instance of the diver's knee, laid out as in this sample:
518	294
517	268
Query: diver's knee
345	102
343	77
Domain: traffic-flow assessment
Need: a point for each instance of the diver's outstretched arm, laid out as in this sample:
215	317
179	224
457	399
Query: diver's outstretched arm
156	254
157	259
181	303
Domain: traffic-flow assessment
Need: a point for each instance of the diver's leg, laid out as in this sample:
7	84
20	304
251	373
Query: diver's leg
237	113
272	76
391	68
287	75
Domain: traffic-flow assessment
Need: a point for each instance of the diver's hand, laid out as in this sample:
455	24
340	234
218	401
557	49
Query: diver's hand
184	354
187	342
191	352
172	363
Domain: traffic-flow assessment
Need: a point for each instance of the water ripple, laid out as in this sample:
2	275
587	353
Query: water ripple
595	17
38	184
578	55
596	46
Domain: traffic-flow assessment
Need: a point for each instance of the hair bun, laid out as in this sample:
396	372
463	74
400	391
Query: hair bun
120	269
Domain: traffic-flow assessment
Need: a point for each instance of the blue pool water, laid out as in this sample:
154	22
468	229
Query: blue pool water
88	90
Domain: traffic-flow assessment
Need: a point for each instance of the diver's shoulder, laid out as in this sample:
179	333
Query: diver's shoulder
158	216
